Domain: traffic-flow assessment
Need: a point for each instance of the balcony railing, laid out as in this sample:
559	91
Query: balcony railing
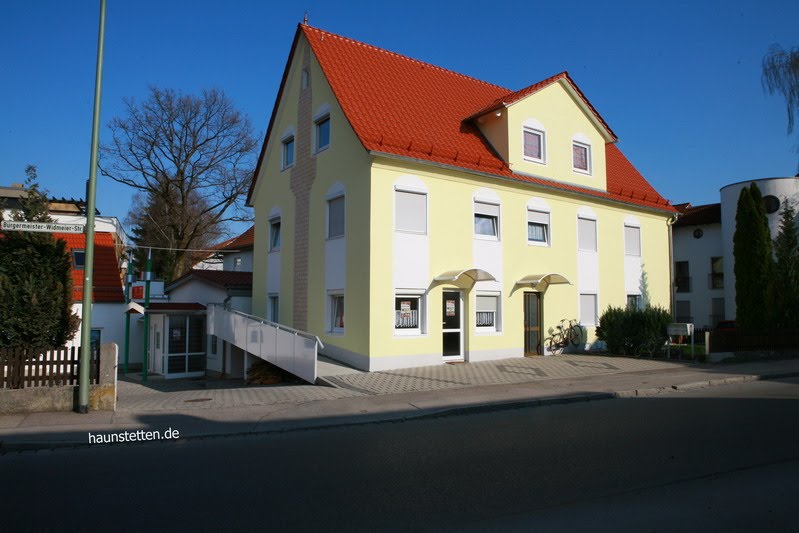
715	280
683	283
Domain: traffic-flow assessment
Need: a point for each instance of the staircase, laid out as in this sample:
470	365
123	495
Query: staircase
292	350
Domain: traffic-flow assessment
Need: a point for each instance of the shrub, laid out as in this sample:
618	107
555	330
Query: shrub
631	331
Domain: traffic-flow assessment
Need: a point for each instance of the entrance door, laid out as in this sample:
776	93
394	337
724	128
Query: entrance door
532	328
453	327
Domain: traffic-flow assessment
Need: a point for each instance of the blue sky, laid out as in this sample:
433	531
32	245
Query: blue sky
679	82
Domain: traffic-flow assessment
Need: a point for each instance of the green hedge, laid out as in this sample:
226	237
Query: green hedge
633	331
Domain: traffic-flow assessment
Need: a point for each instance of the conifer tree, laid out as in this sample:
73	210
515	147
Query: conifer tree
785	281
35	280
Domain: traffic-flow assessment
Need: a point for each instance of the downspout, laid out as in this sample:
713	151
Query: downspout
670	223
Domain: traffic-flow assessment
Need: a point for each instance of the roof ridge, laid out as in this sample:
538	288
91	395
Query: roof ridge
401	56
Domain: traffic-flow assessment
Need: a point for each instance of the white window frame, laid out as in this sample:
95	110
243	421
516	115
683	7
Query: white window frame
331	318
272	299
543	136
580	308
397	192
548	227
325	117
284	163
596	234
272	221
588	162
327	218
421	328
640	243
484	212
639	301
497	327
213	346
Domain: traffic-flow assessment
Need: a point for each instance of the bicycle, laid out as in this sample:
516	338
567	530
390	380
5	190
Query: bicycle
561	336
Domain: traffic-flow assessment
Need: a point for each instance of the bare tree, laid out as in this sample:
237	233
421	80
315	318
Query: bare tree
190	159
781	75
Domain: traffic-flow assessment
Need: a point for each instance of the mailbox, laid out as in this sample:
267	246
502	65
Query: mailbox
679	328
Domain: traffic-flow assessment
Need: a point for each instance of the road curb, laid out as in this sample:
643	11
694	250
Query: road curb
430	413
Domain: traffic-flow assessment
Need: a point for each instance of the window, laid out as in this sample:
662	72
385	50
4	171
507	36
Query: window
682	278
78	258
322	133
214	342
581	157
335	217
95	339
274	235
487	315
534	145
634	301
411	212
274	308
408	311
586	234
716	272
588	309
237	263
537	227
683	312
337	313
486	219
186	334
288	152
305	78
632	240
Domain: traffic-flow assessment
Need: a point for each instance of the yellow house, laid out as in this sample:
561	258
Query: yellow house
410	215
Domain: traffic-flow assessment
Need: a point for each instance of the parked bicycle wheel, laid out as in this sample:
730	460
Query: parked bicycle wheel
576	334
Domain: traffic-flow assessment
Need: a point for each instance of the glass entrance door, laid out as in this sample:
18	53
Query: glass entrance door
532	328
453	326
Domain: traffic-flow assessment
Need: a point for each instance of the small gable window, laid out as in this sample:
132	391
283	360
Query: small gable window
581	157
534	145
288	152
322	133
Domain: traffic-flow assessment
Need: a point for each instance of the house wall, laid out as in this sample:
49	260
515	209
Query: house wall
229	262
197	291
451	244
698	253
311	265
562	118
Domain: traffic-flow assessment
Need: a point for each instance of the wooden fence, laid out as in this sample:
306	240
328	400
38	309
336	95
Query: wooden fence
740	341
44	367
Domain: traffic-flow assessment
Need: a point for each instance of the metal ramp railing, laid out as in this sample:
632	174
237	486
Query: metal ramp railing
290	349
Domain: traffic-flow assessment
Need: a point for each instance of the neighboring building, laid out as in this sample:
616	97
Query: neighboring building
108	324
410	215
704	268
232	255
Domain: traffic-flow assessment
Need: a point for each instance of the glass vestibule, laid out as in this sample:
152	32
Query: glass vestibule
185	346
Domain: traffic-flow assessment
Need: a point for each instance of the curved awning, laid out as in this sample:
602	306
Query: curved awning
475	274
540	282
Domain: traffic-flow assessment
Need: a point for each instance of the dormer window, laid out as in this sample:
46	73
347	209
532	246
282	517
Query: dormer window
581	157
534	145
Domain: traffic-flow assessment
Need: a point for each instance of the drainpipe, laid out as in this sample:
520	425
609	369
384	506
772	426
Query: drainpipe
148	276
128	282
670	223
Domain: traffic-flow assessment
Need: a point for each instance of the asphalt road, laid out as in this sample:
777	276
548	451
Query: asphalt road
720	459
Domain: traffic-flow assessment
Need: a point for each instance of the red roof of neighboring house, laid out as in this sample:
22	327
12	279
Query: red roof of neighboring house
404	107
245	240
223	278
107	285
699	215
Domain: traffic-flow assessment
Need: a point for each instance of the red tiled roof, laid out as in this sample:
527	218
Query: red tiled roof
107	283
403	107
699	215
223	278
245	240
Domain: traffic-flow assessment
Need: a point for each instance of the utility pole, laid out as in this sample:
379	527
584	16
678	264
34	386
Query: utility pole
88	269
148	276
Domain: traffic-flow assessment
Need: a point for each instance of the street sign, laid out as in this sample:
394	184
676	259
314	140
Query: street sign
46	227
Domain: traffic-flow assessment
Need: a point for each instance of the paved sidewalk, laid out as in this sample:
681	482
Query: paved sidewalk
213	408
